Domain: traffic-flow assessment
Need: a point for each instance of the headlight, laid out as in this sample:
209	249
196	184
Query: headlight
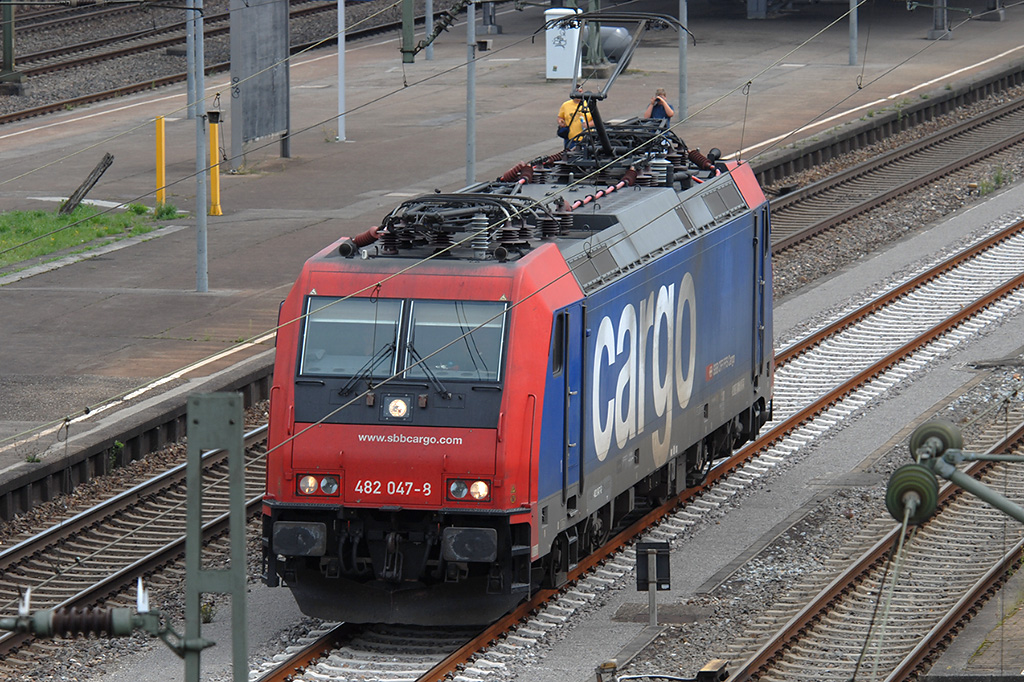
398	408
479	490
458	489
323	485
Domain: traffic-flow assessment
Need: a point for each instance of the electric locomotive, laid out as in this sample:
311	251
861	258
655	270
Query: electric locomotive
470	396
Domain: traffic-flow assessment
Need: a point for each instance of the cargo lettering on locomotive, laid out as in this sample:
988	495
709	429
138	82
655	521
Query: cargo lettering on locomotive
670	324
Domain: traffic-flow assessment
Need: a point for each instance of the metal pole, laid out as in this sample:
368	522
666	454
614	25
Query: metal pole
408	33
853	32
215	423
683	37
595	53
341	71
202	281
238	110
190	57
215	208
652	585
8	37
976	488
286	137
940	21
471	93
8	74
428	29
161	162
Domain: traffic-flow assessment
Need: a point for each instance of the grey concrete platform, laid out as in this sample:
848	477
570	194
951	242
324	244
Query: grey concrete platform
113	320
118	318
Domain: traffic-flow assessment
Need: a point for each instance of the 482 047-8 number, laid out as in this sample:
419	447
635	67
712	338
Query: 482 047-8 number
372	487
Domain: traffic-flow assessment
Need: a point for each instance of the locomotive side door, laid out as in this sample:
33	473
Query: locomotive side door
762	260
574	395
571	341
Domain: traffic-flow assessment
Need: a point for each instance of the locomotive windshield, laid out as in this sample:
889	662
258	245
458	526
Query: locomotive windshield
462	339
378	338
352	336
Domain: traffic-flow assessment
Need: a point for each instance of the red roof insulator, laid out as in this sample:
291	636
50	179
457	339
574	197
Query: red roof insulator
366	238
515	172
349	247
702	161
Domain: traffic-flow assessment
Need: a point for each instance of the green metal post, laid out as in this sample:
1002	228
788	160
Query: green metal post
408	35
8	74
215	422
945	466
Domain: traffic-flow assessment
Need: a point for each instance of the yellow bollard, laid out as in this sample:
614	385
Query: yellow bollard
215	166
161	163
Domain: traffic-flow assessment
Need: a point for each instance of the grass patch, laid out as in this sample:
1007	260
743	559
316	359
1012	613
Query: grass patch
25	235
1000	176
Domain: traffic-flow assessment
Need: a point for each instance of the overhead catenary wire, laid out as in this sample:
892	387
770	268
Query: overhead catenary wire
425	358
257	337
148	122
335	36
859	85
219	482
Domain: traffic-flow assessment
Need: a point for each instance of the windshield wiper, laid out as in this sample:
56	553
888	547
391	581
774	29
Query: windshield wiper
438	386
367	369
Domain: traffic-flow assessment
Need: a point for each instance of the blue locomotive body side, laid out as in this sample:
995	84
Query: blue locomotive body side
672	336
662	358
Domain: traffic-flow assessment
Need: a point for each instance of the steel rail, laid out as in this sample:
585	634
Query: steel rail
812	613
147	40
888	297
163	81
799	417
116	503
114	583
461	656
305	657
943	144
42	19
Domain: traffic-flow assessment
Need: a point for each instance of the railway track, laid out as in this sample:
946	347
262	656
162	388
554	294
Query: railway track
947	567
50	18
163	37
811	210
821	381
100	552
679	519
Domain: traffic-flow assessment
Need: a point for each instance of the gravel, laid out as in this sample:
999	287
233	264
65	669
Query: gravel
804	549
71	83
801	551
857	239
759	583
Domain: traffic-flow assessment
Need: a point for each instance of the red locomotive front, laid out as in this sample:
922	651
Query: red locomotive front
401	430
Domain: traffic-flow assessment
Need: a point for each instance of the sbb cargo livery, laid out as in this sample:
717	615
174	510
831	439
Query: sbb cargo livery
468	398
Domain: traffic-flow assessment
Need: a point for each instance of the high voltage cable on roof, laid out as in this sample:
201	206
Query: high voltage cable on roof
318	124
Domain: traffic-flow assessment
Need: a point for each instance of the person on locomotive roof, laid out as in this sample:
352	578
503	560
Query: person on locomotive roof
573	118
659	106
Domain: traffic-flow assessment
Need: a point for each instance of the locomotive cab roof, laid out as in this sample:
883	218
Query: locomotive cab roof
612	218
